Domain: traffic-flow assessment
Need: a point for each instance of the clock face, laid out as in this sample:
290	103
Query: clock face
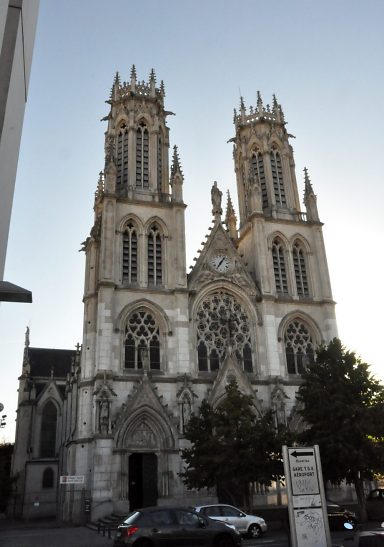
221	263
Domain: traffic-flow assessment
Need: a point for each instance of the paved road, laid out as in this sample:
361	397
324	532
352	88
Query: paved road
83	537
53	537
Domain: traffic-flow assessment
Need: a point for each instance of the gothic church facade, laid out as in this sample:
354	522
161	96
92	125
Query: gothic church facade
157	341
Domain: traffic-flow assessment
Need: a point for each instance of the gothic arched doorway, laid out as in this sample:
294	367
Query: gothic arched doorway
142	480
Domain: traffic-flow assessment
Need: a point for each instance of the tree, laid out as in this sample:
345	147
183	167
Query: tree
344	413
232	447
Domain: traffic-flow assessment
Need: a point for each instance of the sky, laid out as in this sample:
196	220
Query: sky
324	62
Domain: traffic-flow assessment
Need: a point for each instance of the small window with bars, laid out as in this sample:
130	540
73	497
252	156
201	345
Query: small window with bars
279	268
130	254
300	270
142	156
155	259
122	156
277	179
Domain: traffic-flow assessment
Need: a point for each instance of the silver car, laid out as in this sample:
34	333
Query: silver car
250	525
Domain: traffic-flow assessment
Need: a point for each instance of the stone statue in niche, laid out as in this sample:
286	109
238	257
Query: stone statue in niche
185	412
104	417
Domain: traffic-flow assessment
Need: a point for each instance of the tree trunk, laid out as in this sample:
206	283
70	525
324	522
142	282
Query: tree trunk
359	488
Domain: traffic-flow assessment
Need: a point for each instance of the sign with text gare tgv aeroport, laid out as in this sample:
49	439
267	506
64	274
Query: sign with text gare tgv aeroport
307	506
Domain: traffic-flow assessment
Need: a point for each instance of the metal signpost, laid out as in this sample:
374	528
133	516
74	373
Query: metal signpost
307	506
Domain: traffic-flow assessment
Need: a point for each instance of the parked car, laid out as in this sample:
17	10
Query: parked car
375	504
172	527
249	525
338	516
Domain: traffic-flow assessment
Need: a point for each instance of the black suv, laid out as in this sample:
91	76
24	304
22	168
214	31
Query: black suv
172	527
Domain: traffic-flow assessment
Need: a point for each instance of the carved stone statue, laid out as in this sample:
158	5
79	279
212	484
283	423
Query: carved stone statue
216	196
104	417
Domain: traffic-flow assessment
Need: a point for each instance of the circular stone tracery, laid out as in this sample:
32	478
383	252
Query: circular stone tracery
221	321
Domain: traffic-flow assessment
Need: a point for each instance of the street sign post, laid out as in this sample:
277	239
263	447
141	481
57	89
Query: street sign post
307	506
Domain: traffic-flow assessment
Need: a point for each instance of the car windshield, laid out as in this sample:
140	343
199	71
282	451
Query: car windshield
132	517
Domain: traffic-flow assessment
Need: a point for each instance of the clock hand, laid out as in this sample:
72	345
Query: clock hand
221	261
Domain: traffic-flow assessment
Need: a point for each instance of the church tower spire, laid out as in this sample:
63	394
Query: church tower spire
137	138
262	152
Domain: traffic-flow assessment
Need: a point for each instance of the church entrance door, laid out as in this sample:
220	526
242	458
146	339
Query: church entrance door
142	480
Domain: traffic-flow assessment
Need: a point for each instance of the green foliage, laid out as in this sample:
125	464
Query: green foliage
232	447
344	411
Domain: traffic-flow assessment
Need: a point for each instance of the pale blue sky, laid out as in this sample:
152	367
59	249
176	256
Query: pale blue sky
324	61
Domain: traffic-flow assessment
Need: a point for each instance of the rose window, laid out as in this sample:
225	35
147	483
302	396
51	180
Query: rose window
222	322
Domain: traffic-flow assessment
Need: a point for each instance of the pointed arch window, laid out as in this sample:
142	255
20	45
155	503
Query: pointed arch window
160	164
48	478
142	341
122	156
279	267
142	156
155	259
221	322
130	253
277	179
299	347
257	163
48	431
299	266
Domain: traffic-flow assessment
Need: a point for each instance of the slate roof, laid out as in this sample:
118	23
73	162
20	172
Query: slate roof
43	360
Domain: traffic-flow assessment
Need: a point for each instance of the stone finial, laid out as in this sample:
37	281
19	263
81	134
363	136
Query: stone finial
177	177
216	196
175	162
100	186
162	88
27	342
307	183
230	218
115	86
310	199
259	103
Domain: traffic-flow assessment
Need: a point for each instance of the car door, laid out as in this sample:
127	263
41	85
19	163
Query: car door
163	528
191	529
234	516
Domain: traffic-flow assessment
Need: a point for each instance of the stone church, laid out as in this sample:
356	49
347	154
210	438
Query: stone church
111	413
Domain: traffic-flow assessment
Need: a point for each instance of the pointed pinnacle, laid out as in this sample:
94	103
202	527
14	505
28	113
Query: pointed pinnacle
152	76
176	162
162	88
275	103
133	73
242	106
230	209
307	182
259	101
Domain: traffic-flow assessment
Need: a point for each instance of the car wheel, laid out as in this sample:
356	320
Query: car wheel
224	541
254	531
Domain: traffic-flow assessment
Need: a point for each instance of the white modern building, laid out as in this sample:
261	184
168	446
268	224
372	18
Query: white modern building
18	20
